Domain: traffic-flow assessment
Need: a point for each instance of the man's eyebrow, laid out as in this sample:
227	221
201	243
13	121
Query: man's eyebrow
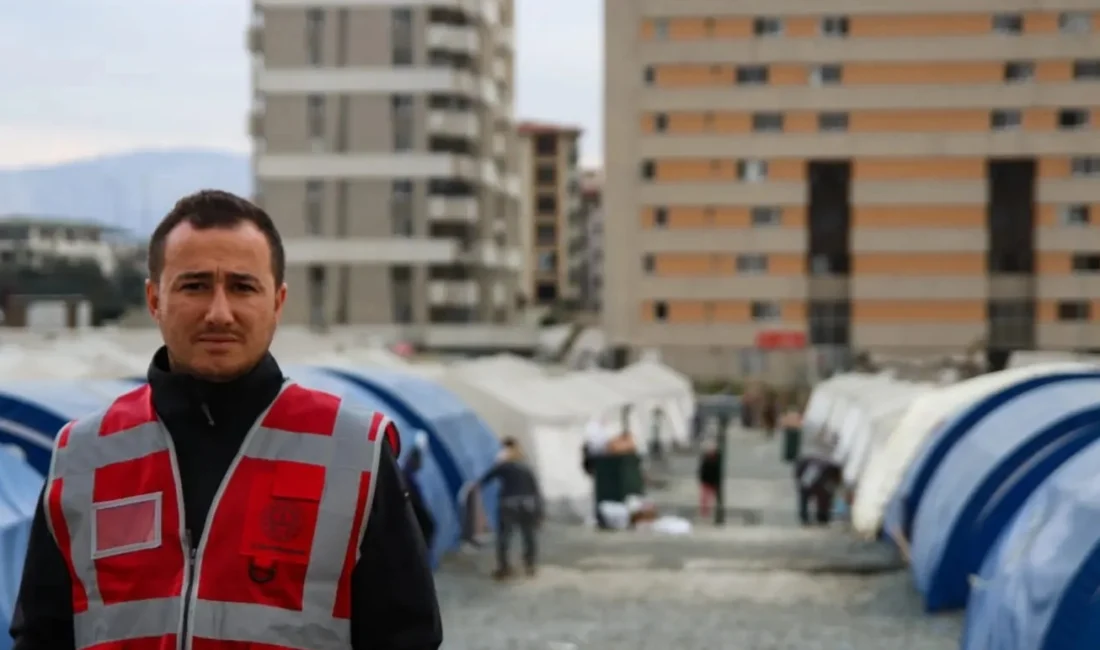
242	277
207	276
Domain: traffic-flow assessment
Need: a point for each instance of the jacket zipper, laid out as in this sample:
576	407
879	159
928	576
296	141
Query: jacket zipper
189	585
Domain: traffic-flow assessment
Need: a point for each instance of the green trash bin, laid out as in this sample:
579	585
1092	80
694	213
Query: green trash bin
616	476
792	443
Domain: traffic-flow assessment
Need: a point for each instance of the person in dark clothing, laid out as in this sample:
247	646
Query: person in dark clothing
817	479
216	289
521	508
710	479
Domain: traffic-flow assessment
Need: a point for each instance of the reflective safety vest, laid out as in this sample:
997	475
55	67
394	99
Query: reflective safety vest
273	566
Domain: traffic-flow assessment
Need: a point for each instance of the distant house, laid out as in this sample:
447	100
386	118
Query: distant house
36	241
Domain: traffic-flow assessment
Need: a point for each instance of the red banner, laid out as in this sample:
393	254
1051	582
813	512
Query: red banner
780	340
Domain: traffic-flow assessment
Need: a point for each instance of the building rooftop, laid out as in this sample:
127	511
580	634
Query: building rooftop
56	222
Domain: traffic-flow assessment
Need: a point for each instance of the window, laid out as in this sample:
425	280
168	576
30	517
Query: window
660	122
752	170
1008	23
546	204
660	310
767	122
648	263
1074	310
401	208
826	75
315	195
401	294
546	174
315	36
317	297
1018	71
1005	120
765	311
752	75
763	216
403	122
832	122
547	262
546	144
1086	70
1074	215
754	263
660	217
315	114
660	29
708	25
1074	22
649	169
834	26
1085	262
401	33
1073	118
546	234
1085	166
649	75
767	26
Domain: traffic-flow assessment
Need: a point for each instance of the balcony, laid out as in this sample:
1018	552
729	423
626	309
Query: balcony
455	124
453	209
500	70
504	38
256	123
254	38
453	292
323	250
500	145
454	39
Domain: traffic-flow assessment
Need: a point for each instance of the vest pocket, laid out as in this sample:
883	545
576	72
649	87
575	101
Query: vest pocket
282	514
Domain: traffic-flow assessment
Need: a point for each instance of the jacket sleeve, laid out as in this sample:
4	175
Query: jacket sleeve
43	617
394	605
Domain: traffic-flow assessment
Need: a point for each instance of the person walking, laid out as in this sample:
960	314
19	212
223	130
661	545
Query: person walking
817	478
521	508
710	478
222	505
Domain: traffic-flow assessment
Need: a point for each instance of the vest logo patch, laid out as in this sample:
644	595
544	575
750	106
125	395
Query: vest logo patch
126	525
282	520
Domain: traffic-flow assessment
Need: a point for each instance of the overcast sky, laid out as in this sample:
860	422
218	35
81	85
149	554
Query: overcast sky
86	77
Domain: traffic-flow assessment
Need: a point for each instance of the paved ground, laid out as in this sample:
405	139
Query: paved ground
766	585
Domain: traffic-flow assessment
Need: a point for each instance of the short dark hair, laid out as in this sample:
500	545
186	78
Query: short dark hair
216	209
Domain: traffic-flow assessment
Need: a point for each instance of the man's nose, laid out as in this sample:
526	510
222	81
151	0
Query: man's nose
220	311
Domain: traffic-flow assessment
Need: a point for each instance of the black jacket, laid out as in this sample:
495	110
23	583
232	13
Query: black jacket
394	604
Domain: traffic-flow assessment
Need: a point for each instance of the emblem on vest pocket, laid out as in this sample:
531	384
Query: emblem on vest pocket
126	525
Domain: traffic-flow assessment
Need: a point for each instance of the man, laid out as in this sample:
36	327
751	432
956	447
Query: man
521	507
221	503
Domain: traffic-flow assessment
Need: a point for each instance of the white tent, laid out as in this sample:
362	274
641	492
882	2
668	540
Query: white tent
871	427
656	406
888	463
677	394
548	416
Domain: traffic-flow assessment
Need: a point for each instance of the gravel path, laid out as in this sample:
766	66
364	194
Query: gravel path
770	586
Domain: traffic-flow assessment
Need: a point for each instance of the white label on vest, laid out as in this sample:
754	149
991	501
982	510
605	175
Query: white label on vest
126	525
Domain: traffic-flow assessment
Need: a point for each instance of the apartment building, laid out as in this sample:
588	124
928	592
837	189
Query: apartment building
794	181
383	150
549	176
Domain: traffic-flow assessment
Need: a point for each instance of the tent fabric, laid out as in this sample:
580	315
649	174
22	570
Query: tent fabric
19	489
872	423
908	496
462	444
988	474
32	412
429	478
888	464
1036	590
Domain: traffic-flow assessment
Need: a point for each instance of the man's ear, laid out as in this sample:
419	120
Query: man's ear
152	299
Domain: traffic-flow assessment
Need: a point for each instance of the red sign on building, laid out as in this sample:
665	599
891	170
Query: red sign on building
780	340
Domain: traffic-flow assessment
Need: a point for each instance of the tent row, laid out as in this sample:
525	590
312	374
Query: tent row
990	488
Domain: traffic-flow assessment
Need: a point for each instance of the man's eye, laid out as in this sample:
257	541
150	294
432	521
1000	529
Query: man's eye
244	287
192	286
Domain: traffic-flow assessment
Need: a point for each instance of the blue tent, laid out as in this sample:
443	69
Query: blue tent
19	489
1038	587
429	478
31	413
985	478
907	498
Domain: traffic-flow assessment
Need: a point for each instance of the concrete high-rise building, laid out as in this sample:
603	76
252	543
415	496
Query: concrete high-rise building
586	248
909	178
384	151
550	178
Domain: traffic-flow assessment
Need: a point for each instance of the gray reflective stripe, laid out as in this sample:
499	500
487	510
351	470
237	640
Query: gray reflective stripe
269	625
345	455
129	620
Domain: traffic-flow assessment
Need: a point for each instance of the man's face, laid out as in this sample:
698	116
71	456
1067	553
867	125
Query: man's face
216	301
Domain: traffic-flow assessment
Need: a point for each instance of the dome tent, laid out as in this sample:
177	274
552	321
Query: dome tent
1037	588
936	447
19	489
31	413
460	442
429	477
987	475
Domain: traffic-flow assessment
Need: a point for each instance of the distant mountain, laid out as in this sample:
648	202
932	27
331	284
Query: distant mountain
130	190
